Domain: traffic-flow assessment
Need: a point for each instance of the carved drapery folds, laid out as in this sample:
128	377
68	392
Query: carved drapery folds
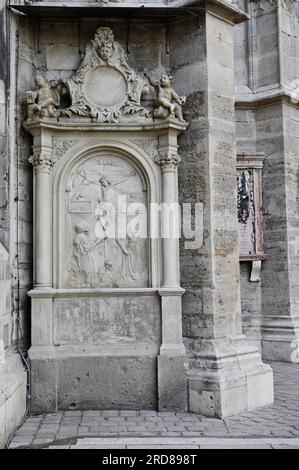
104	89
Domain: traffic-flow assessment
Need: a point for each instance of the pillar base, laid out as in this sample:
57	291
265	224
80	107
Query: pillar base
280	339
281	349
172	383
228	380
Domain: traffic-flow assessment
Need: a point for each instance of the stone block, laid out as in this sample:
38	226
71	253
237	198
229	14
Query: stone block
172	383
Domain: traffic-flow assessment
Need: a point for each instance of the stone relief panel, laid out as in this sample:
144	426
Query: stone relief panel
106	319
104	88
104	243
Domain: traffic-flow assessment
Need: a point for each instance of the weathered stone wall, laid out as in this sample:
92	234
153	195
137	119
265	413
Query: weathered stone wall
13	378
251	303
266	61
187	61
4	166
12	373
291	144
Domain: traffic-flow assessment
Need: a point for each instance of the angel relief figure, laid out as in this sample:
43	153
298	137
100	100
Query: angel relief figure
44	101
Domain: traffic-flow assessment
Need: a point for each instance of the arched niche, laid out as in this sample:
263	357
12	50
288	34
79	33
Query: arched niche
102	194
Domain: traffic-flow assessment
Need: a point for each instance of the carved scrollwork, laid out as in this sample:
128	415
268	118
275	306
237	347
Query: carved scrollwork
105	87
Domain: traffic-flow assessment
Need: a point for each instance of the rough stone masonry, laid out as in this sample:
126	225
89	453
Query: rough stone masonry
90	109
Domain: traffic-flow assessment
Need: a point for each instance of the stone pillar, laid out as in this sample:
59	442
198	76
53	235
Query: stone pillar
41	308
42	163
170	218
172	383
227	375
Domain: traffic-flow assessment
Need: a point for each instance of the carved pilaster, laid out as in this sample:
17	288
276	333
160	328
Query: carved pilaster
168	162
42	162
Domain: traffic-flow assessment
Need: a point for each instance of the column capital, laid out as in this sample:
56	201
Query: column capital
42	161
168	161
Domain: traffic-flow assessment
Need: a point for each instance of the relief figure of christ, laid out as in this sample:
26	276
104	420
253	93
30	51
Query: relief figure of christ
108	193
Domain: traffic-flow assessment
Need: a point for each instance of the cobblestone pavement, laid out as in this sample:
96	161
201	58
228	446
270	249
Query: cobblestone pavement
275	426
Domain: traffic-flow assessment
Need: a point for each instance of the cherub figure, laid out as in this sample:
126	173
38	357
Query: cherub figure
168	103
43	101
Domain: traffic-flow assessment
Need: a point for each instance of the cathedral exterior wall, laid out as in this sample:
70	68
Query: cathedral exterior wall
198	52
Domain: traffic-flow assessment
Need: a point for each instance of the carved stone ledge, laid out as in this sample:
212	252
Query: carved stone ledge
65	125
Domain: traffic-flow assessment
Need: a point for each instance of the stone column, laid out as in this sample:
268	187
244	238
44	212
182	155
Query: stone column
42	163
172	383
170	218
227	375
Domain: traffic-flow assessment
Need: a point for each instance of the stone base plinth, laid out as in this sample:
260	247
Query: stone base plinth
280	338
281	349
92	381
229	384
172	380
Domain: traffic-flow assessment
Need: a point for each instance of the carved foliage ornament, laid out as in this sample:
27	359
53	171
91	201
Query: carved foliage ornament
42	161
168	162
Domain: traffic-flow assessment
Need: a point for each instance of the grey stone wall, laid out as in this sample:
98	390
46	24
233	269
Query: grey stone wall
266	51
4	167
12	373
251	303
187	61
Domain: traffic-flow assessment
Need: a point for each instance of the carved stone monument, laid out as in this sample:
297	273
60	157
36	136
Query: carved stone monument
106	302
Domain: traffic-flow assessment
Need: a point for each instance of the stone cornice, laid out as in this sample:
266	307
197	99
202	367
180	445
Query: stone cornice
268	97
223	9
53	125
